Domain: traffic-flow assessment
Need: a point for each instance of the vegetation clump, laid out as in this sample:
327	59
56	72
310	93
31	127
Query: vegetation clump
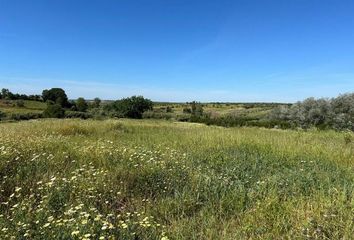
54	111
336	113
132	107
81	105
56	95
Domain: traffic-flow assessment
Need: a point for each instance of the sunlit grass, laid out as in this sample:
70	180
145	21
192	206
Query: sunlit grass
134	179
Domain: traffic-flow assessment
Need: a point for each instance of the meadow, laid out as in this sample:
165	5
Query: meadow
156	179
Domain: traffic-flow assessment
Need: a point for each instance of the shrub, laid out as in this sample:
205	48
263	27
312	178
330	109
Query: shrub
54	111
25	116
2	115
20	103
132	107
183	117
187	110
169	109
336	113
197	108
96	102
81	105
82	115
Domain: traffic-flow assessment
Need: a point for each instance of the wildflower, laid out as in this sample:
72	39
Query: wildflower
46	225
74	233
124	226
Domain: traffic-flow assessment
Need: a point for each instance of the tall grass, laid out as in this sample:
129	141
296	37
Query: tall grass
150	179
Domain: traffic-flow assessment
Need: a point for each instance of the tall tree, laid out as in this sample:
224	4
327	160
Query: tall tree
81	104
96	102
56	95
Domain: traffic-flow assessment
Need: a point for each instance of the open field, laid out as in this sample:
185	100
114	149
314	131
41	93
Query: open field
220	109
9	107
149	179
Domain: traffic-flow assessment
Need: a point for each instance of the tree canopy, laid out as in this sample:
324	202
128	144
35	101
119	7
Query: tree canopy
81	104
132	107
56	95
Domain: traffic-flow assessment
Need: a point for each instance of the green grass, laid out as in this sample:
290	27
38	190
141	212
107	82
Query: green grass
142	179
238	109
9	107
35	105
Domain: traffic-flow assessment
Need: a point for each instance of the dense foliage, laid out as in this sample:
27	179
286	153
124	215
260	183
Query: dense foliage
81	104
132	107
56	95
96	102
6	94
54	111
337	113
2	114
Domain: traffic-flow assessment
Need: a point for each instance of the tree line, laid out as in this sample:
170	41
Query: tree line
7	95
59	106
324	113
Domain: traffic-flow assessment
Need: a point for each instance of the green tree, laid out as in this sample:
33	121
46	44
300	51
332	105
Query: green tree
197	108
96	102
54	111
132	107
81	104
169	109
56	95
6	94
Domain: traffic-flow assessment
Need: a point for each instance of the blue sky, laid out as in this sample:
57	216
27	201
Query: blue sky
179	50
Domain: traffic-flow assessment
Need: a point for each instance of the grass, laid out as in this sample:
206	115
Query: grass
149	179
9	107
221	109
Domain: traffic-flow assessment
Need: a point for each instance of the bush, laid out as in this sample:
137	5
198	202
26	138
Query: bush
187	110
96	102
336	113
54	111
183	117
196	108
132	107
81	105
169	109
236	121
2	115
25	116
20	103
